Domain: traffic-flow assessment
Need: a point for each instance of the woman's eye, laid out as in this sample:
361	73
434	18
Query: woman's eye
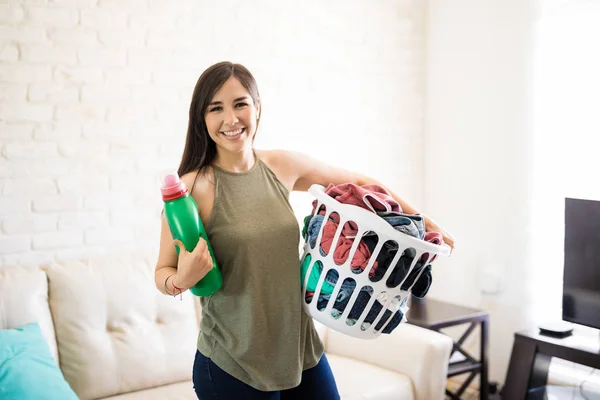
240	105
215	109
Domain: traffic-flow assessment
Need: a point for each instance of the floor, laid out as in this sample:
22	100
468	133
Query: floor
472	392
553	393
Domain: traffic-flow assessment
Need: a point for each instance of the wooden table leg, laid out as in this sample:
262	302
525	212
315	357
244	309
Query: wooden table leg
520	368
483	357
539	372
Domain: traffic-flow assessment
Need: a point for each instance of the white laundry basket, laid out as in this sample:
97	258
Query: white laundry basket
388	298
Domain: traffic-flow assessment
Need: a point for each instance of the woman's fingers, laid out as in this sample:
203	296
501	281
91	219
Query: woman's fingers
201	247
449	241
179	244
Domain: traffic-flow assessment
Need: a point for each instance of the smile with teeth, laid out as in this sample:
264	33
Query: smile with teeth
233	133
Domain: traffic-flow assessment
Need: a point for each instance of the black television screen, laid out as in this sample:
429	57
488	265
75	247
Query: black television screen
581	275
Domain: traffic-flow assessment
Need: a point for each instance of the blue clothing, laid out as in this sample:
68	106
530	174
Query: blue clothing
384	260
410	224
406	223
313	231
359	305
212	383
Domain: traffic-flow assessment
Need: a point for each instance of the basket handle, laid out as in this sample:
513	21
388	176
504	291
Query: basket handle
367	218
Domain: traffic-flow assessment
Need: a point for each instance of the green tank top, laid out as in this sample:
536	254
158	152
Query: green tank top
254	327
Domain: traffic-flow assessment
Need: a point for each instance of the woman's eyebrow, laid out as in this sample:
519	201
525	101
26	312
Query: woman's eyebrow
214	103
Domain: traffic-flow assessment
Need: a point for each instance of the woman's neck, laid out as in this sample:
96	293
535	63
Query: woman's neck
235	162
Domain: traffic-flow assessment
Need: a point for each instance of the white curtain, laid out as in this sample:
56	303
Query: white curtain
567	133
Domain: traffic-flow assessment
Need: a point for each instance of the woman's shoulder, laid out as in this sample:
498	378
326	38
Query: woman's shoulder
278	162
266	155
276	157
201	187
199	182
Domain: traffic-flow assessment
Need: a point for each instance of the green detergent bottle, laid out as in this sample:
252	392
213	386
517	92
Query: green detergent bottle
185	224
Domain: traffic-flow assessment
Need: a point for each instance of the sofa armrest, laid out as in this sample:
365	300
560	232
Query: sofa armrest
418	353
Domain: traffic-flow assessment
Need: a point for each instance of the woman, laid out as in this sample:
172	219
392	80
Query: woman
255	340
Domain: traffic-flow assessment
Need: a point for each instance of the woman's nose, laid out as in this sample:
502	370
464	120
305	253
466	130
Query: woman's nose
231	119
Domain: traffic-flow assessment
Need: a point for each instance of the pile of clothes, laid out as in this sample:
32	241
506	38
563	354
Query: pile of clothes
376	199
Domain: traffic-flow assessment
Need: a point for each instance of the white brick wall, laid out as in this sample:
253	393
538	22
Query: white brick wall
94	96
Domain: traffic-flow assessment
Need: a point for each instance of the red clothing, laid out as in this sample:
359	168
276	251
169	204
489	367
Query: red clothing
370	197
435	238
342	250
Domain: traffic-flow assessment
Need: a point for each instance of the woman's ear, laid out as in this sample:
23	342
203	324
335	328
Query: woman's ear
258	108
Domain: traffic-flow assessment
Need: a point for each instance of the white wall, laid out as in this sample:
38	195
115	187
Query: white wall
94	97
566	125
479	164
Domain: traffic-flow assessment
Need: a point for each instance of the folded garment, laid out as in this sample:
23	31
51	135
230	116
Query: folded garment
421	287
435	238
357	309
370	197
342	249
330	279
375	199
421	271
410	224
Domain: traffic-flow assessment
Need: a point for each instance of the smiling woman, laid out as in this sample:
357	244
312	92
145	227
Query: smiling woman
231	115
255	340
225	100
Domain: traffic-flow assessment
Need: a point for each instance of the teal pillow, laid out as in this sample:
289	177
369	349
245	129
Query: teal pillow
27	368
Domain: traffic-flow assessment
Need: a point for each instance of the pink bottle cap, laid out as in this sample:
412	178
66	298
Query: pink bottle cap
172	187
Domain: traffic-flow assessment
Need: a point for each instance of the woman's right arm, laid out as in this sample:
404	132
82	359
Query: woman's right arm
166	266
174	273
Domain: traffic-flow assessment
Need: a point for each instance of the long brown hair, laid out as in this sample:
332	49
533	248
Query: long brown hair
200	150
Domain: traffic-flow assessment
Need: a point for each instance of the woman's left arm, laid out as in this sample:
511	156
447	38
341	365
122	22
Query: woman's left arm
306	171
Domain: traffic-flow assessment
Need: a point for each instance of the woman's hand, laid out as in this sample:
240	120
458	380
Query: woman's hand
192	266
431	226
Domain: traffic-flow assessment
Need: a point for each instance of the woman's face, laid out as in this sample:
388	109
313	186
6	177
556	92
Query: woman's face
231	117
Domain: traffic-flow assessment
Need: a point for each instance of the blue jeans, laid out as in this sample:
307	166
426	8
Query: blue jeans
212	383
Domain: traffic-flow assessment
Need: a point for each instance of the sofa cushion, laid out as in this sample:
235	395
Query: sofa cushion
355	380
24	299
174	391
116	333
360	380
418	353
27	368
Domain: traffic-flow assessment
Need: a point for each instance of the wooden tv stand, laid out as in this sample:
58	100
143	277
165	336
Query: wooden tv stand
532	352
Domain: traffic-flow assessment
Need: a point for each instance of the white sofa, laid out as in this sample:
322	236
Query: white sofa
116	337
